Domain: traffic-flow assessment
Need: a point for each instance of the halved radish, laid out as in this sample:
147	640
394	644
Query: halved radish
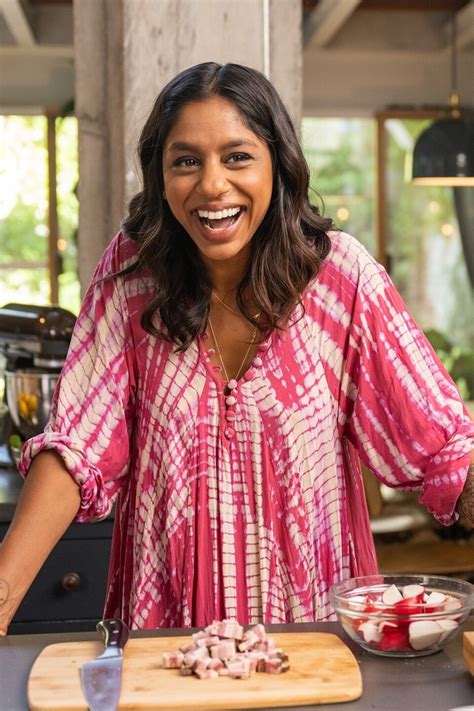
358	603
391	595
434	601
370	632
359	599
452	604
409	591
423	634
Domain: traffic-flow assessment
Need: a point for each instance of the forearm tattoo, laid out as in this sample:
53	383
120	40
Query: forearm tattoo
465	507
4	591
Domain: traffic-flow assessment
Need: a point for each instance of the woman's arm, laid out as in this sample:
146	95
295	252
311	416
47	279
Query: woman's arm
49	500
465	506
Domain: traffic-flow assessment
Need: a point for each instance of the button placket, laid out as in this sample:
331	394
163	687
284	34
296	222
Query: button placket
228	393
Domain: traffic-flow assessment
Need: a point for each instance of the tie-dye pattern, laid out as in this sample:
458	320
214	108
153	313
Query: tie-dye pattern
259	525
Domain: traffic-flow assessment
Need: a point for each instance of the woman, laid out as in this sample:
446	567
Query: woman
231	361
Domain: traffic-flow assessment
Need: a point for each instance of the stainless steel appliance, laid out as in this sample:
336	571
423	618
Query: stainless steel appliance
34	341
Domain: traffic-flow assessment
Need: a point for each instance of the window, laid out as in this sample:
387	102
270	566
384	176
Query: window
365	184
341	156
423	241
38	210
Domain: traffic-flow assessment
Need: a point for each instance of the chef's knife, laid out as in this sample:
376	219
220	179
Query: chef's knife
101	678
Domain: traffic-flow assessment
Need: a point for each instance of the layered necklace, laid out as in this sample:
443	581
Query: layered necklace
232	382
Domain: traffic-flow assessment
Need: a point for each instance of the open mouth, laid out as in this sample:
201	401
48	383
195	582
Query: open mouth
221	219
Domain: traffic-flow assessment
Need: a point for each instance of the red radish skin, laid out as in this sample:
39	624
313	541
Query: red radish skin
396	641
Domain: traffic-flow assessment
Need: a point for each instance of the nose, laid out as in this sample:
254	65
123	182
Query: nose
213	180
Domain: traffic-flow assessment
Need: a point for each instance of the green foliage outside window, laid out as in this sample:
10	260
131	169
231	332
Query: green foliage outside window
24	210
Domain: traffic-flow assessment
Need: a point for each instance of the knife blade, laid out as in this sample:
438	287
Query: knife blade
101	678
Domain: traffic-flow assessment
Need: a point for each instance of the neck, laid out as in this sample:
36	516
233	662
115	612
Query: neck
226	275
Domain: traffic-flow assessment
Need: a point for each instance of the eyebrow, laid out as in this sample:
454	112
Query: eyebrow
237	143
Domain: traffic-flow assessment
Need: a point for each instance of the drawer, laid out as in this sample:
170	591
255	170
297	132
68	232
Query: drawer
71	584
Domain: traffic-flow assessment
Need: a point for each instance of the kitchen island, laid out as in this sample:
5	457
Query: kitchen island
439	682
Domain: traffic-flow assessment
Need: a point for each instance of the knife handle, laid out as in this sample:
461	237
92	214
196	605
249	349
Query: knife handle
114	633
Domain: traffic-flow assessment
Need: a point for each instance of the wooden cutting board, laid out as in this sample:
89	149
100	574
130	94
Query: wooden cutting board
468	650
323	670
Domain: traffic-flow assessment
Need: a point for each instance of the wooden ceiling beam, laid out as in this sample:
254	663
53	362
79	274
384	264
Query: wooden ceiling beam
13	12
325	21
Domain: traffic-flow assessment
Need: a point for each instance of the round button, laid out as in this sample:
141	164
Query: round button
258	361
232	384
229	432
230	400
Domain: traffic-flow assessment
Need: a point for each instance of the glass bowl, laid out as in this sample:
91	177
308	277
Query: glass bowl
402	615
29	396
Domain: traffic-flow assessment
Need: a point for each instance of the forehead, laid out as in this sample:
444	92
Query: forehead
209	121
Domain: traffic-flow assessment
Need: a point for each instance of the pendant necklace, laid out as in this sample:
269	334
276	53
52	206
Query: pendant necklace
229	308
232	382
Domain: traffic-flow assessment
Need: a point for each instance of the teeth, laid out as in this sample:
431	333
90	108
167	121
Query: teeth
220	214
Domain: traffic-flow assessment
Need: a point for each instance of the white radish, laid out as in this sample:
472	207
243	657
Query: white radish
412	590
362	599
447	627
370	631
436	598
391	595
451	605
423	634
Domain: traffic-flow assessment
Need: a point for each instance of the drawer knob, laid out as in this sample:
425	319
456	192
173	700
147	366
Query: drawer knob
71	582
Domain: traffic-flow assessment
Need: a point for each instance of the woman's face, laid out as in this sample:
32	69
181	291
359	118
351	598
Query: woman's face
218	178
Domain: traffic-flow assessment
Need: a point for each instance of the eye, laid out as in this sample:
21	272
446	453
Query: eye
238	158
185	162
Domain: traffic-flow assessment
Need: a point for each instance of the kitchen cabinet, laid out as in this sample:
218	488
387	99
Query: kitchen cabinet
68	592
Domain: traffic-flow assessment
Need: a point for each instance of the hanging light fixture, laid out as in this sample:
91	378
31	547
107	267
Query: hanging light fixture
444	152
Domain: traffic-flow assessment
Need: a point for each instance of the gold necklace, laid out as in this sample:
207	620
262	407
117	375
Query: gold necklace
237	376
229	308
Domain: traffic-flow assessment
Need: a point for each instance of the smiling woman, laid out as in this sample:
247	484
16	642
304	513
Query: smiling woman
223	134
217	192
233	359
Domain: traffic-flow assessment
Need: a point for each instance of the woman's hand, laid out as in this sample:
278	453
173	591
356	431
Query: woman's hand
9	603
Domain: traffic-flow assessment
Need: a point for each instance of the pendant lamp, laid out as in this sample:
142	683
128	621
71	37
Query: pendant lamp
444	152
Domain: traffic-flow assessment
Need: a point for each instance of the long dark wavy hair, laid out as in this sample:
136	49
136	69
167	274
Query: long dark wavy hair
286	250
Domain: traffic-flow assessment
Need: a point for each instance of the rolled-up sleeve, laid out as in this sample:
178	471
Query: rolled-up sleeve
91	414
408	422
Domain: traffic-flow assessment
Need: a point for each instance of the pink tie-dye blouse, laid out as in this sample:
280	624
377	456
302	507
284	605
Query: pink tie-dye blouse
251	510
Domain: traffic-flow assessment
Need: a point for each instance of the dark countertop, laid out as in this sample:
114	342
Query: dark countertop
439	682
